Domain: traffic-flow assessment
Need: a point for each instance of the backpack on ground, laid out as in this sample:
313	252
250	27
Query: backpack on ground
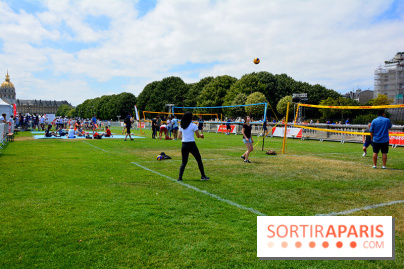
270	152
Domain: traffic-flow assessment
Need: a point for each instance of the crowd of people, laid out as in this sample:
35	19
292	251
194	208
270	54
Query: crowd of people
77	129
38	122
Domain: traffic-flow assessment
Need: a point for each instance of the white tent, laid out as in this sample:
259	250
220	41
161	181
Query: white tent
6	108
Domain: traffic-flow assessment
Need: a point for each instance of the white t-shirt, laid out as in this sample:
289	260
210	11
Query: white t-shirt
188	134
71	133
1	119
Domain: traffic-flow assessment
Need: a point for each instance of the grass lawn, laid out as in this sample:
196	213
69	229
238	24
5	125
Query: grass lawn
109	204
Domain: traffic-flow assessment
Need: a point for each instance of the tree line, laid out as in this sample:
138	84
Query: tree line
216	91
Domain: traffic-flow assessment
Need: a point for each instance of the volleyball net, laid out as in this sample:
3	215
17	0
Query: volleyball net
295	124
234	111
148	115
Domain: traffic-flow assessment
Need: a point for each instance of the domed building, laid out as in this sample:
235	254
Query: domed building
7	93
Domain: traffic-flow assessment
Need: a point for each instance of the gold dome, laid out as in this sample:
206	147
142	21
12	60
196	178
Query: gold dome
7	84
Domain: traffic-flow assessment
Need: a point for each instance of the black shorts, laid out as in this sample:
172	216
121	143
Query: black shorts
200	127
383	147
128	129
228	127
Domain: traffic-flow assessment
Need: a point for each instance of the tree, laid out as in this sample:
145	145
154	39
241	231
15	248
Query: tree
240	99
254	98
63	110
247	84
144	97
282	106
124	104
195	89
333	114
213	93
170	90
380	100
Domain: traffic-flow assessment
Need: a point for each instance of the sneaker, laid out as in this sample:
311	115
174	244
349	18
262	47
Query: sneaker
374	166
242	157
204	178
384	167
247	161
180	179
364	154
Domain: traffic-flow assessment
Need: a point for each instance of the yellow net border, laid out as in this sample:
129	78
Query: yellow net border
343	107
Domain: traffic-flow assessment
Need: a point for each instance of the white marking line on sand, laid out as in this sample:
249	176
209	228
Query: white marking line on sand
202	191
361	208
95	146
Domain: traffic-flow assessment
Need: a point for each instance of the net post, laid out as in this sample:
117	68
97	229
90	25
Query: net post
265	120
286	126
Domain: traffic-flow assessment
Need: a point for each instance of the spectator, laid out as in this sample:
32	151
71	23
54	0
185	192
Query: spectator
3	118
128	121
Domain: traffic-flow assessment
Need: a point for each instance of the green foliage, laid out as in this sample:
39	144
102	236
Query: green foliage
380	100
340	114
247	84
255	111
240	99
63	110
195	90
282	106
144	97
213	93
107	107
170	90
364	119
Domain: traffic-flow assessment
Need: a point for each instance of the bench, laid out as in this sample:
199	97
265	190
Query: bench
10	137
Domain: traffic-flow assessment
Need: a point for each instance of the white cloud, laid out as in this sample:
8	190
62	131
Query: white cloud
337	44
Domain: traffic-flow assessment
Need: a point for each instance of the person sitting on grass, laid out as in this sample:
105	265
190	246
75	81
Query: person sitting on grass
70	134
61	132
107	132
80	131
48	132
97	136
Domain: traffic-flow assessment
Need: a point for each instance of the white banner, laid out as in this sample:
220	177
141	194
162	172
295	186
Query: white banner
290	132
3	130
325	237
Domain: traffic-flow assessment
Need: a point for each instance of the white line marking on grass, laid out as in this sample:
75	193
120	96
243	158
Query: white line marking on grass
95	146
362	208
202	191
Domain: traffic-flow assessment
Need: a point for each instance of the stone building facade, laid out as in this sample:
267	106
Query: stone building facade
24	106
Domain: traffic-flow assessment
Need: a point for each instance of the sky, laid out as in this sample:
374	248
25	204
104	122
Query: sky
77	50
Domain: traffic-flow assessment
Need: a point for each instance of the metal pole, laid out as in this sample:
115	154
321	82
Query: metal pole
286	126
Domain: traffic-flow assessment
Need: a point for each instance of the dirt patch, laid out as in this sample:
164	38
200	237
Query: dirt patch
23	138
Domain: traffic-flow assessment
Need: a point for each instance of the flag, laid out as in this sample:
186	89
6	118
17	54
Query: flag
136	113
15	109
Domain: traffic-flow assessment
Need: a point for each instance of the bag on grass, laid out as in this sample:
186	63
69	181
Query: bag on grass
165	157
270	152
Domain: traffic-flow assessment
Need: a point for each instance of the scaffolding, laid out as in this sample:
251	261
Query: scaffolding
389	80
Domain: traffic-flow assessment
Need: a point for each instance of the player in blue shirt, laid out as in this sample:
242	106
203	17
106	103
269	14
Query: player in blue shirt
175	127
379	132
